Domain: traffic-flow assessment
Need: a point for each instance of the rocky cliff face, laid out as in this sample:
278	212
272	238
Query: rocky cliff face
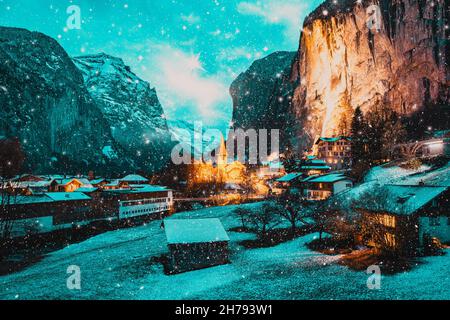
342	64
131	108
43	101
262	96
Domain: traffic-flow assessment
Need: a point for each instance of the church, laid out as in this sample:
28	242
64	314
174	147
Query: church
218	171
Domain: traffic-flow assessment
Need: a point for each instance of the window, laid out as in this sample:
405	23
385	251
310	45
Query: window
388	221
390	239
448	221
435	221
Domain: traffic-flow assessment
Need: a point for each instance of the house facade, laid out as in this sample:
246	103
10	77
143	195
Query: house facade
407	219
65	185
335	151
316	188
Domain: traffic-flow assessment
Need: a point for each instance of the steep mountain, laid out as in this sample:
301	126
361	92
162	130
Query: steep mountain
43	101
262	96
131	108
400	58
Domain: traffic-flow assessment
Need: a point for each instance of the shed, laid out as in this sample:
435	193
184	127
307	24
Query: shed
196	244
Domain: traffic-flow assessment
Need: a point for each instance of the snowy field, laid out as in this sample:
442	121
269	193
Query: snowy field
117	265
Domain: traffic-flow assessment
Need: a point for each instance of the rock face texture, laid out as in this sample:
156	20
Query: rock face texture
43	101
91	112
262	96
343	64
131	108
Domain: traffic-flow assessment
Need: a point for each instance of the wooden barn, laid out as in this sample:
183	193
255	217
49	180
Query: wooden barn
196	244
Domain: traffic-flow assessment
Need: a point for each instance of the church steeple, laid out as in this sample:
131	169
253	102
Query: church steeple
222	155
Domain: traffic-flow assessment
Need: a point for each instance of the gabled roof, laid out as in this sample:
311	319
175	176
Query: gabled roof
97	181
140	188
27	177
66	181
332	177
289	177
332	139
67	196
114	183
134	178
405	200
31	184
85	182
194	231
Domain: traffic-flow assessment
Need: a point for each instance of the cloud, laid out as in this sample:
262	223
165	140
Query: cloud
183	82
289	13
185	88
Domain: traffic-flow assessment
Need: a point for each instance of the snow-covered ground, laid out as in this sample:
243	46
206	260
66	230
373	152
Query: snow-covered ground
117	265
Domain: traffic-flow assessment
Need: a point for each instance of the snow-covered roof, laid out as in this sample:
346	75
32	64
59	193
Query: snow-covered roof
113	183
66	181
67	196
147	188
314	167
332	177
194	231
405	200
140	188
28	177
332	139
289	177
87	189
85	182
97	181
31	184
134	178
21	200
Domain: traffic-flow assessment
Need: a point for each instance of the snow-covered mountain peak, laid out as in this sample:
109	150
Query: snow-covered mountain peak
130	105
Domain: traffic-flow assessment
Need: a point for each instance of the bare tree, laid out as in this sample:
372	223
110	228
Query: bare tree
295	210
266	219
243	214
11	160
7	198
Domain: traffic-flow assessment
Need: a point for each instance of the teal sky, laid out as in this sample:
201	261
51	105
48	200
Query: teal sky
190	50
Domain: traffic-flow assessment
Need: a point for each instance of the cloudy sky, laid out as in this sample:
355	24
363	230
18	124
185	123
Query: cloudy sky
190	50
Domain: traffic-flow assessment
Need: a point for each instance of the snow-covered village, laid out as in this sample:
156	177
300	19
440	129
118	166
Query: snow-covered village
176	151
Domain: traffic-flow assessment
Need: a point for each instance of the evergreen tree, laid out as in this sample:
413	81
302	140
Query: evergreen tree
358	136
289	159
